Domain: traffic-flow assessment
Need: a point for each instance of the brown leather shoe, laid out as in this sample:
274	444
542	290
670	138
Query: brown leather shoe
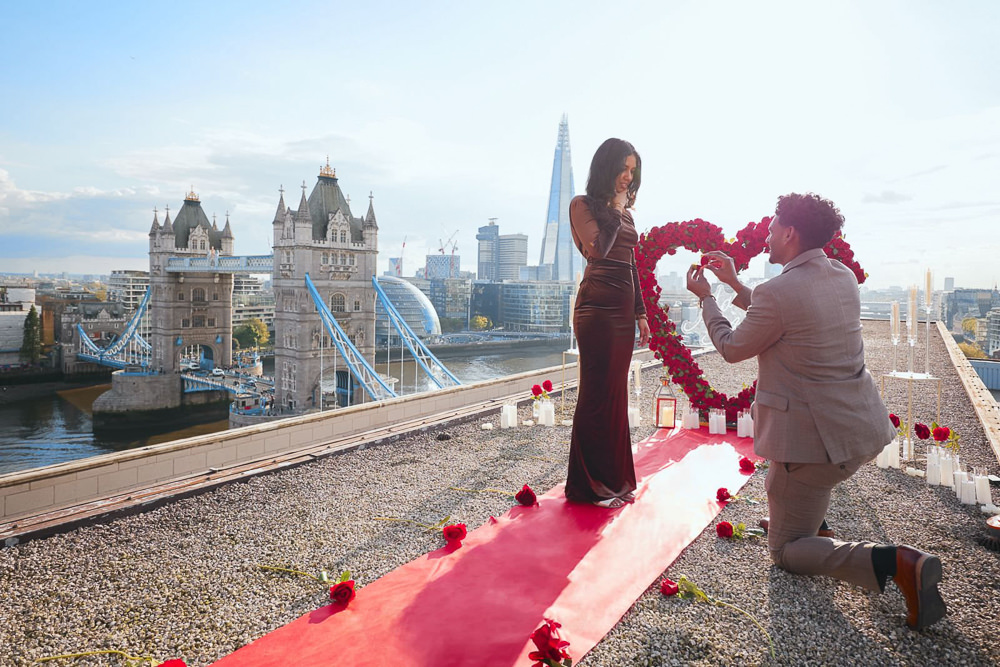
766	521
917	575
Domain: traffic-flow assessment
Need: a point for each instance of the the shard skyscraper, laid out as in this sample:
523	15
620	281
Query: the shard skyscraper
558	251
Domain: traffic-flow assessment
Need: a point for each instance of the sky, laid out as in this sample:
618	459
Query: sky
448	113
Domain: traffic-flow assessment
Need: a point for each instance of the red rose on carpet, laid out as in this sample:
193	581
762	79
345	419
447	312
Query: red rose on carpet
173	663
724	529
547	385
722	495
746	465
894	419
922	431
941	433
454	533
343	592
526	496
536	390
551	647
668	587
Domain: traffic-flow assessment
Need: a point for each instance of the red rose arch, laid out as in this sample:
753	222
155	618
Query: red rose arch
701	236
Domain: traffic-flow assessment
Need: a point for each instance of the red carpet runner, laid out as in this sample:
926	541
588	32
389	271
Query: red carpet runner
580	565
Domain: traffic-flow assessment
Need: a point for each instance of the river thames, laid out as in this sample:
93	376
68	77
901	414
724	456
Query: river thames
58	427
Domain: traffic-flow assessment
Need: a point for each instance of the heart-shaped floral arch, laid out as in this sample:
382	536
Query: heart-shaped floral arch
701	236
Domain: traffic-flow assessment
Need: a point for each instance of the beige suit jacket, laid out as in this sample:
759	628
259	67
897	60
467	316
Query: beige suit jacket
816	402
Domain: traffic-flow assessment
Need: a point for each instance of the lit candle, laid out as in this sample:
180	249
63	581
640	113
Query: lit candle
895	319
929	296
666	419
633	417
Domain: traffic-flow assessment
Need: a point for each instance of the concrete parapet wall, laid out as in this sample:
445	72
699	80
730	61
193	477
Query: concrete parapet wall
75	482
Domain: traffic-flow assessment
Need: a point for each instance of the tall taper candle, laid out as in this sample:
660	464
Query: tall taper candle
929	294
895	319
911	316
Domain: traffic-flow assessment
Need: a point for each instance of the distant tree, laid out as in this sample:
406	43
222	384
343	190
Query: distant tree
972	351
252	333
31	343
452	324
969	326
481	323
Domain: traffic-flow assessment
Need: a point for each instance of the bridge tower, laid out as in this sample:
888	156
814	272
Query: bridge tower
322	238
190	312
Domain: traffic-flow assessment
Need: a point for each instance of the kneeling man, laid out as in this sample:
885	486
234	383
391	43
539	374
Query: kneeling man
817	414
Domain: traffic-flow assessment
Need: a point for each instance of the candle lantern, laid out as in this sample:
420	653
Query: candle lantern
664	404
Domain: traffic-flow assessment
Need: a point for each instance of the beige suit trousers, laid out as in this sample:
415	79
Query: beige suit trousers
798	496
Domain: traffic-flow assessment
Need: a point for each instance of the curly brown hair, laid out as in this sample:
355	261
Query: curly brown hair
817	220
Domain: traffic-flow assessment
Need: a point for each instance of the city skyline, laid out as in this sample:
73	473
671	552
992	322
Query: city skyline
892	111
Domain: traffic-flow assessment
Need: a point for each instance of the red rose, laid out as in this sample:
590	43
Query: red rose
547	385
548	642
173	663
668	587
724	529
343	592
722	494
894	419
746	465
536	390
526	496
454	533
705	260
922	431
941	433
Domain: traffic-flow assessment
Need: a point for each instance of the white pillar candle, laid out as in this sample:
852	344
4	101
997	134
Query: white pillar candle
947	470
749	426
968	492
983	496
881	460
690	420
958	477
895	320
911	316
547	414
633	417
487	426
907	449
933	473
893	454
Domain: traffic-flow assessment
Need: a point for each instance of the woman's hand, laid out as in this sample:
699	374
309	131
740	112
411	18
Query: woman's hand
643	332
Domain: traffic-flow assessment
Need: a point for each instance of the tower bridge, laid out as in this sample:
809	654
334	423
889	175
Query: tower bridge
323	275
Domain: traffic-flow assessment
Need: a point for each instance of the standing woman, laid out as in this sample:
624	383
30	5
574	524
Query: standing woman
607	308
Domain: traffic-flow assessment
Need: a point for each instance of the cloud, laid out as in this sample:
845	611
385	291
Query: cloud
885	197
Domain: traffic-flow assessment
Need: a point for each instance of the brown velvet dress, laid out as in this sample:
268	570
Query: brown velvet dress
607	305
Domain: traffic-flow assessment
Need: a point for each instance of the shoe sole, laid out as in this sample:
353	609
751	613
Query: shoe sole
931	607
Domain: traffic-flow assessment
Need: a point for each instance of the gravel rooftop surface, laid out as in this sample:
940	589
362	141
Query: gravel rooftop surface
182	580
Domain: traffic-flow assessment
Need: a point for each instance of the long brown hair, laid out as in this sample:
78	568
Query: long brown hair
608	163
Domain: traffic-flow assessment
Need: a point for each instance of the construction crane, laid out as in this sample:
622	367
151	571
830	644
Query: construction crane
399	265
454	247
443	244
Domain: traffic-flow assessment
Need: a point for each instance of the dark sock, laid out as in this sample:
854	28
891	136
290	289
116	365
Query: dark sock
884	562
824	525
